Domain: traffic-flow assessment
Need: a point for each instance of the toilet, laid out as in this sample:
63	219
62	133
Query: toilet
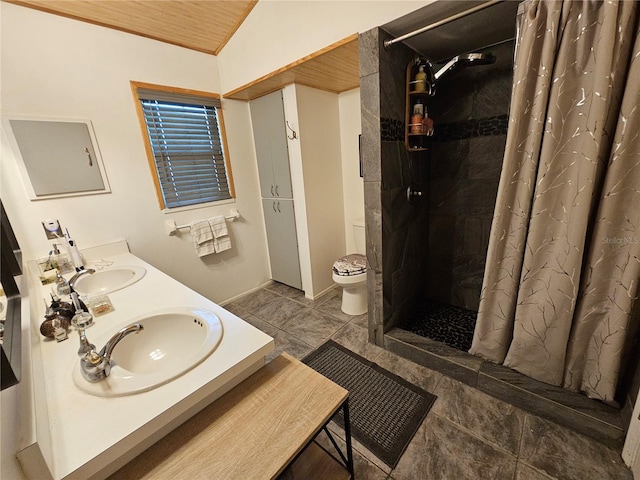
350	273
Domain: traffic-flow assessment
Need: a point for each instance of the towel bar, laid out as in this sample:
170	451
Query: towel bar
171	228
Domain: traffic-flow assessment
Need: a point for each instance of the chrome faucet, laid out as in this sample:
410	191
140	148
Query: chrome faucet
74	279
96	366
85	345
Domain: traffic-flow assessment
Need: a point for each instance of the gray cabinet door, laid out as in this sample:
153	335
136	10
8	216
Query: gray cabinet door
282	240
269	130
59	156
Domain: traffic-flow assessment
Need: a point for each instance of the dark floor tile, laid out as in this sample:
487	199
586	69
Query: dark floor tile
566	455
287	343
449	362
235	309
280	310
517	391
282	289
260	324
361	321
440	450
363	468
312	327
333	306
527	472
338	432
289	292
418	375
356	339
491	419
255	300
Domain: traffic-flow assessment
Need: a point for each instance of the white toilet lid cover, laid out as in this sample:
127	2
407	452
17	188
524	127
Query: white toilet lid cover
353	264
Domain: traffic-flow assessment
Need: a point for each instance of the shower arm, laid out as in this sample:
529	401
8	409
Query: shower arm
448	66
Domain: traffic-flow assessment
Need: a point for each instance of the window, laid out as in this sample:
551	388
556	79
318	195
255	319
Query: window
184	138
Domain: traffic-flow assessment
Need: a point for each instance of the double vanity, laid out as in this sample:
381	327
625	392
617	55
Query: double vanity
177	352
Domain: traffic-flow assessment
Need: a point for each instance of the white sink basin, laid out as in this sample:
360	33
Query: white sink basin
171	343
107	281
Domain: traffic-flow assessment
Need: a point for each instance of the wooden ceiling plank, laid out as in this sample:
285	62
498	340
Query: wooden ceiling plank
202	25
333	68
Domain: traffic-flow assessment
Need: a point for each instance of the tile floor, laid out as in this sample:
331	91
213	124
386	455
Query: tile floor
466	435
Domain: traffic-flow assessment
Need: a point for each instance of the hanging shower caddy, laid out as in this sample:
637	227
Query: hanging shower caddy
418	126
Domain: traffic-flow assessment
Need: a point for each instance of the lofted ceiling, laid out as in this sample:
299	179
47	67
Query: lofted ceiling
203	25
206	26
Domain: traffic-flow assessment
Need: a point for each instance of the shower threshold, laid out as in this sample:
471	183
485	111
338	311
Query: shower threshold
592	418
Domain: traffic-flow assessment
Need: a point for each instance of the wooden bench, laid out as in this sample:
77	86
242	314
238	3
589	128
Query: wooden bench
252	432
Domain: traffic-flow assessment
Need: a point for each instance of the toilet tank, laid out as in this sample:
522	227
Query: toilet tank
359	236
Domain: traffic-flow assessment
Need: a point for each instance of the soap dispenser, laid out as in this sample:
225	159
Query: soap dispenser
421	80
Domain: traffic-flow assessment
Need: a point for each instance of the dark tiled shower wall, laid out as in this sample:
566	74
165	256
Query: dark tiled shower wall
470	113
397	230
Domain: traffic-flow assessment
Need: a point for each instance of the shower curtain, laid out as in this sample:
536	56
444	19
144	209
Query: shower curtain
563	262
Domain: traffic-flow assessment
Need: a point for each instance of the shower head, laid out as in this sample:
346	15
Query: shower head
471	59
467	60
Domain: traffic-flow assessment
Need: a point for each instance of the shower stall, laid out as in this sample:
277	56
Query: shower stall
427	251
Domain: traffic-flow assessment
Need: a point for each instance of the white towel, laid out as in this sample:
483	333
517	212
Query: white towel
221	240
222	244
202	236
219	226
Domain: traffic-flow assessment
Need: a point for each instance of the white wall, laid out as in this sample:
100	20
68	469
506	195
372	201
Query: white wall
352	183
319	132
57	67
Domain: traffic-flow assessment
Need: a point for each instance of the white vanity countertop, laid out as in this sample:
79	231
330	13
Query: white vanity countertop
89	433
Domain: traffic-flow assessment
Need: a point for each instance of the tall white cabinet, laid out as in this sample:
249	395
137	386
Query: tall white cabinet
269	131
298	149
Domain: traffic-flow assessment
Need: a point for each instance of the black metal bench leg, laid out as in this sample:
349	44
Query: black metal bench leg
347	436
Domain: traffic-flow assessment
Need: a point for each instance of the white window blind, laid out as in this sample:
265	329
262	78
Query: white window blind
187	146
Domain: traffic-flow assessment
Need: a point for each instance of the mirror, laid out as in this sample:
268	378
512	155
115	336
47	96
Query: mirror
10	267
56	158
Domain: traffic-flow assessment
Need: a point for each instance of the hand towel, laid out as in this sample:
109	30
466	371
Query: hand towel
221	240
219	226
202	236
222	244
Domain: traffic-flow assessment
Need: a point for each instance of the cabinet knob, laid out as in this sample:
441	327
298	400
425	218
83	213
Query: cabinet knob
272	191
278	207
277	194
274	206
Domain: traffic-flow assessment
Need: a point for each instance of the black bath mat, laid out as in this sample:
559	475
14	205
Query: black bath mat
385	410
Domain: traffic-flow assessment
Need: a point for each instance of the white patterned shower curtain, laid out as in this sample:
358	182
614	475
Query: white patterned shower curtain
563	263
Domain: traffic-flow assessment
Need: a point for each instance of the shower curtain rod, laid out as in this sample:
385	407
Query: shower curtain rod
477	8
